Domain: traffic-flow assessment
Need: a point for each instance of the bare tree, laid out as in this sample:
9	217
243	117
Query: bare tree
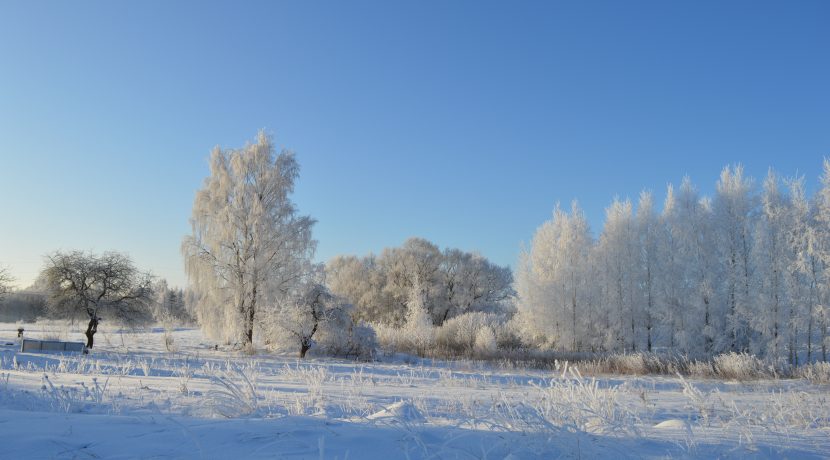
89	286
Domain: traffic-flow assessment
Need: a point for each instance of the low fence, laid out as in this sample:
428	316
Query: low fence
51	346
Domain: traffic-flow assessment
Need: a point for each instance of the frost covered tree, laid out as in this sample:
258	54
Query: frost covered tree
804	273
452	282
418	330
90	286
468	280
733	208
299	317
577	243
618	250
648	265
687	273
820	230
248	242
553	281
25	305
362	282
416	262
170	305
5	283
772	256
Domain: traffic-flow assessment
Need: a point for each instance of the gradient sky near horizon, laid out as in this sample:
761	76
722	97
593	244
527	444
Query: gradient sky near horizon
463	122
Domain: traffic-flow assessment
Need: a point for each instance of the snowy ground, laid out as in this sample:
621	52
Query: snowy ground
132	399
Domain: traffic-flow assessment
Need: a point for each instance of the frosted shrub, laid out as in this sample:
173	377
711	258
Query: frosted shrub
739	366
183	373
485	342
73	399
348	340
65	399
508	336
458	335
630	364
818	373
165	317
97	391
702	403
146	366
169	343
445	338
388	337
701	369
643	363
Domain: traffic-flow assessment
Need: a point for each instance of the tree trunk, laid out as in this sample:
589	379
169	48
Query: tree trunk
444	318
249	336
814	290
249	319
91	329
305	343
573	320
650	304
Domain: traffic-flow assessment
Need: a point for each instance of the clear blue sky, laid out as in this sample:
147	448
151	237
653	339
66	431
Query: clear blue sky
462	122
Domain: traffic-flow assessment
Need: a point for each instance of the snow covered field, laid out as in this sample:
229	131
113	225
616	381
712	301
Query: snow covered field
131	398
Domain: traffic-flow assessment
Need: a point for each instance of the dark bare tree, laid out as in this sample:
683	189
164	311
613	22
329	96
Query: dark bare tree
90	286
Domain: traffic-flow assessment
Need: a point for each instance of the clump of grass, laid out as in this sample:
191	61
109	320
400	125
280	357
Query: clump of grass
817	373
740	367
234	392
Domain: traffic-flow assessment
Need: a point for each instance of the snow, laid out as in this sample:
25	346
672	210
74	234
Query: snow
403	411
673	423
132	399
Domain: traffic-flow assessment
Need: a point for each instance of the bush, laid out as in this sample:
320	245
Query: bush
485	342
351	340
701	369
388	337
508	337
818	373
458	336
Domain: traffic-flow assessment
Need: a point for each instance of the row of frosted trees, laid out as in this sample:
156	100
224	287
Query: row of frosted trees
744	270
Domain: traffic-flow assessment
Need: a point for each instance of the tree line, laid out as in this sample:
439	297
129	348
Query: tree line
744	270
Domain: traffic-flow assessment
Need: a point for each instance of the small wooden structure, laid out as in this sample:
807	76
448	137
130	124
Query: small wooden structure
51	346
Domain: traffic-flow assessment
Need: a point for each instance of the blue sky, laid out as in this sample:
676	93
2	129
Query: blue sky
462	122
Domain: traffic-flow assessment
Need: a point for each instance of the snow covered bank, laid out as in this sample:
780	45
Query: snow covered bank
132	399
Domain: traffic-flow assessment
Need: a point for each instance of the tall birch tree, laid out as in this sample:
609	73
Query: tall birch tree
248	243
